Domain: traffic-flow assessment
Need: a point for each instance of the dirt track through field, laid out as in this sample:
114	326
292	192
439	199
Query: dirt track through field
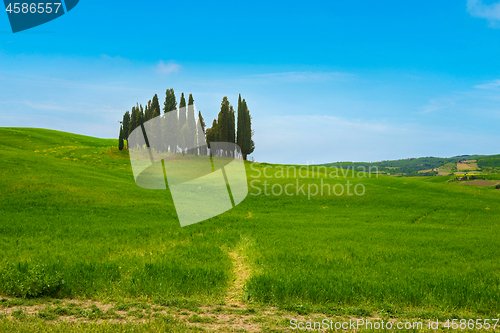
241	272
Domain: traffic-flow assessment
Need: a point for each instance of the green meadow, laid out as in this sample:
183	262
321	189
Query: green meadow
73	224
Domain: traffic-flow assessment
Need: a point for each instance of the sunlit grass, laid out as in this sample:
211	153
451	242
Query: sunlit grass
72	217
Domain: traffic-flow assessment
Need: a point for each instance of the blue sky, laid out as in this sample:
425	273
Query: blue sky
324	81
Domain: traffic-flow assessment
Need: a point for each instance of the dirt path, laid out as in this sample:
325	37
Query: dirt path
241	272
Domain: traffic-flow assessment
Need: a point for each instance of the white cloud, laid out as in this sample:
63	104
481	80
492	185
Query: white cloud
117	58
291	77
483	98
437	104
167	68
491	85
490	12
44	106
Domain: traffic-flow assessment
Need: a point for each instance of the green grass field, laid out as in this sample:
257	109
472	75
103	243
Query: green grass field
75	225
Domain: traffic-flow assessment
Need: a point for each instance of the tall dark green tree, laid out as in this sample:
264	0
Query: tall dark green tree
170	101
225	124
134	121
231	135
182	111
201	136
126	123
154	134
223	120
201	121
141	115
169	130
120	139
212	134
181	123
248	145
153	110
190	140
147	111
155	106
140	122
241	118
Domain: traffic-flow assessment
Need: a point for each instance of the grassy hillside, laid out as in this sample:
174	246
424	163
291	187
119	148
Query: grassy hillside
73	215
74	224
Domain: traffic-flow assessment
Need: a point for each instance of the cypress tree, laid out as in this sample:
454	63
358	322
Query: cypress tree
126	123
155	106
182	111
201	136
153	110
170	102
133	122
141	120
231	130
223	121
201	121
191	123
248	145
169	130
156	142
181	122
120	139
212	134
147	111
241	118
133	119
141	116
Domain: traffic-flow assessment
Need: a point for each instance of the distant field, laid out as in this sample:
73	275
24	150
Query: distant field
469	172
466	166
75	225
446	169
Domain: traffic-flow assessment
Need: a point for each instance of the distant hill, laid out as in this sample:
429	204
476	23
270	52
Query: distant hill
424	166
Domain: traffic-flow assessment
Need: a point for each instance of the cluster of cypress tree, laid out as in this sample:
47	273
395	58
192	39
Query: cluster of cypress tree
223	128
138	117
179	131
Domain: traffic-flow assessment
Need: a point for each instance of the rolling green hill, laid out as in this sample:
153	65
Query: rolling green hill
414	166
74	225
490	163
